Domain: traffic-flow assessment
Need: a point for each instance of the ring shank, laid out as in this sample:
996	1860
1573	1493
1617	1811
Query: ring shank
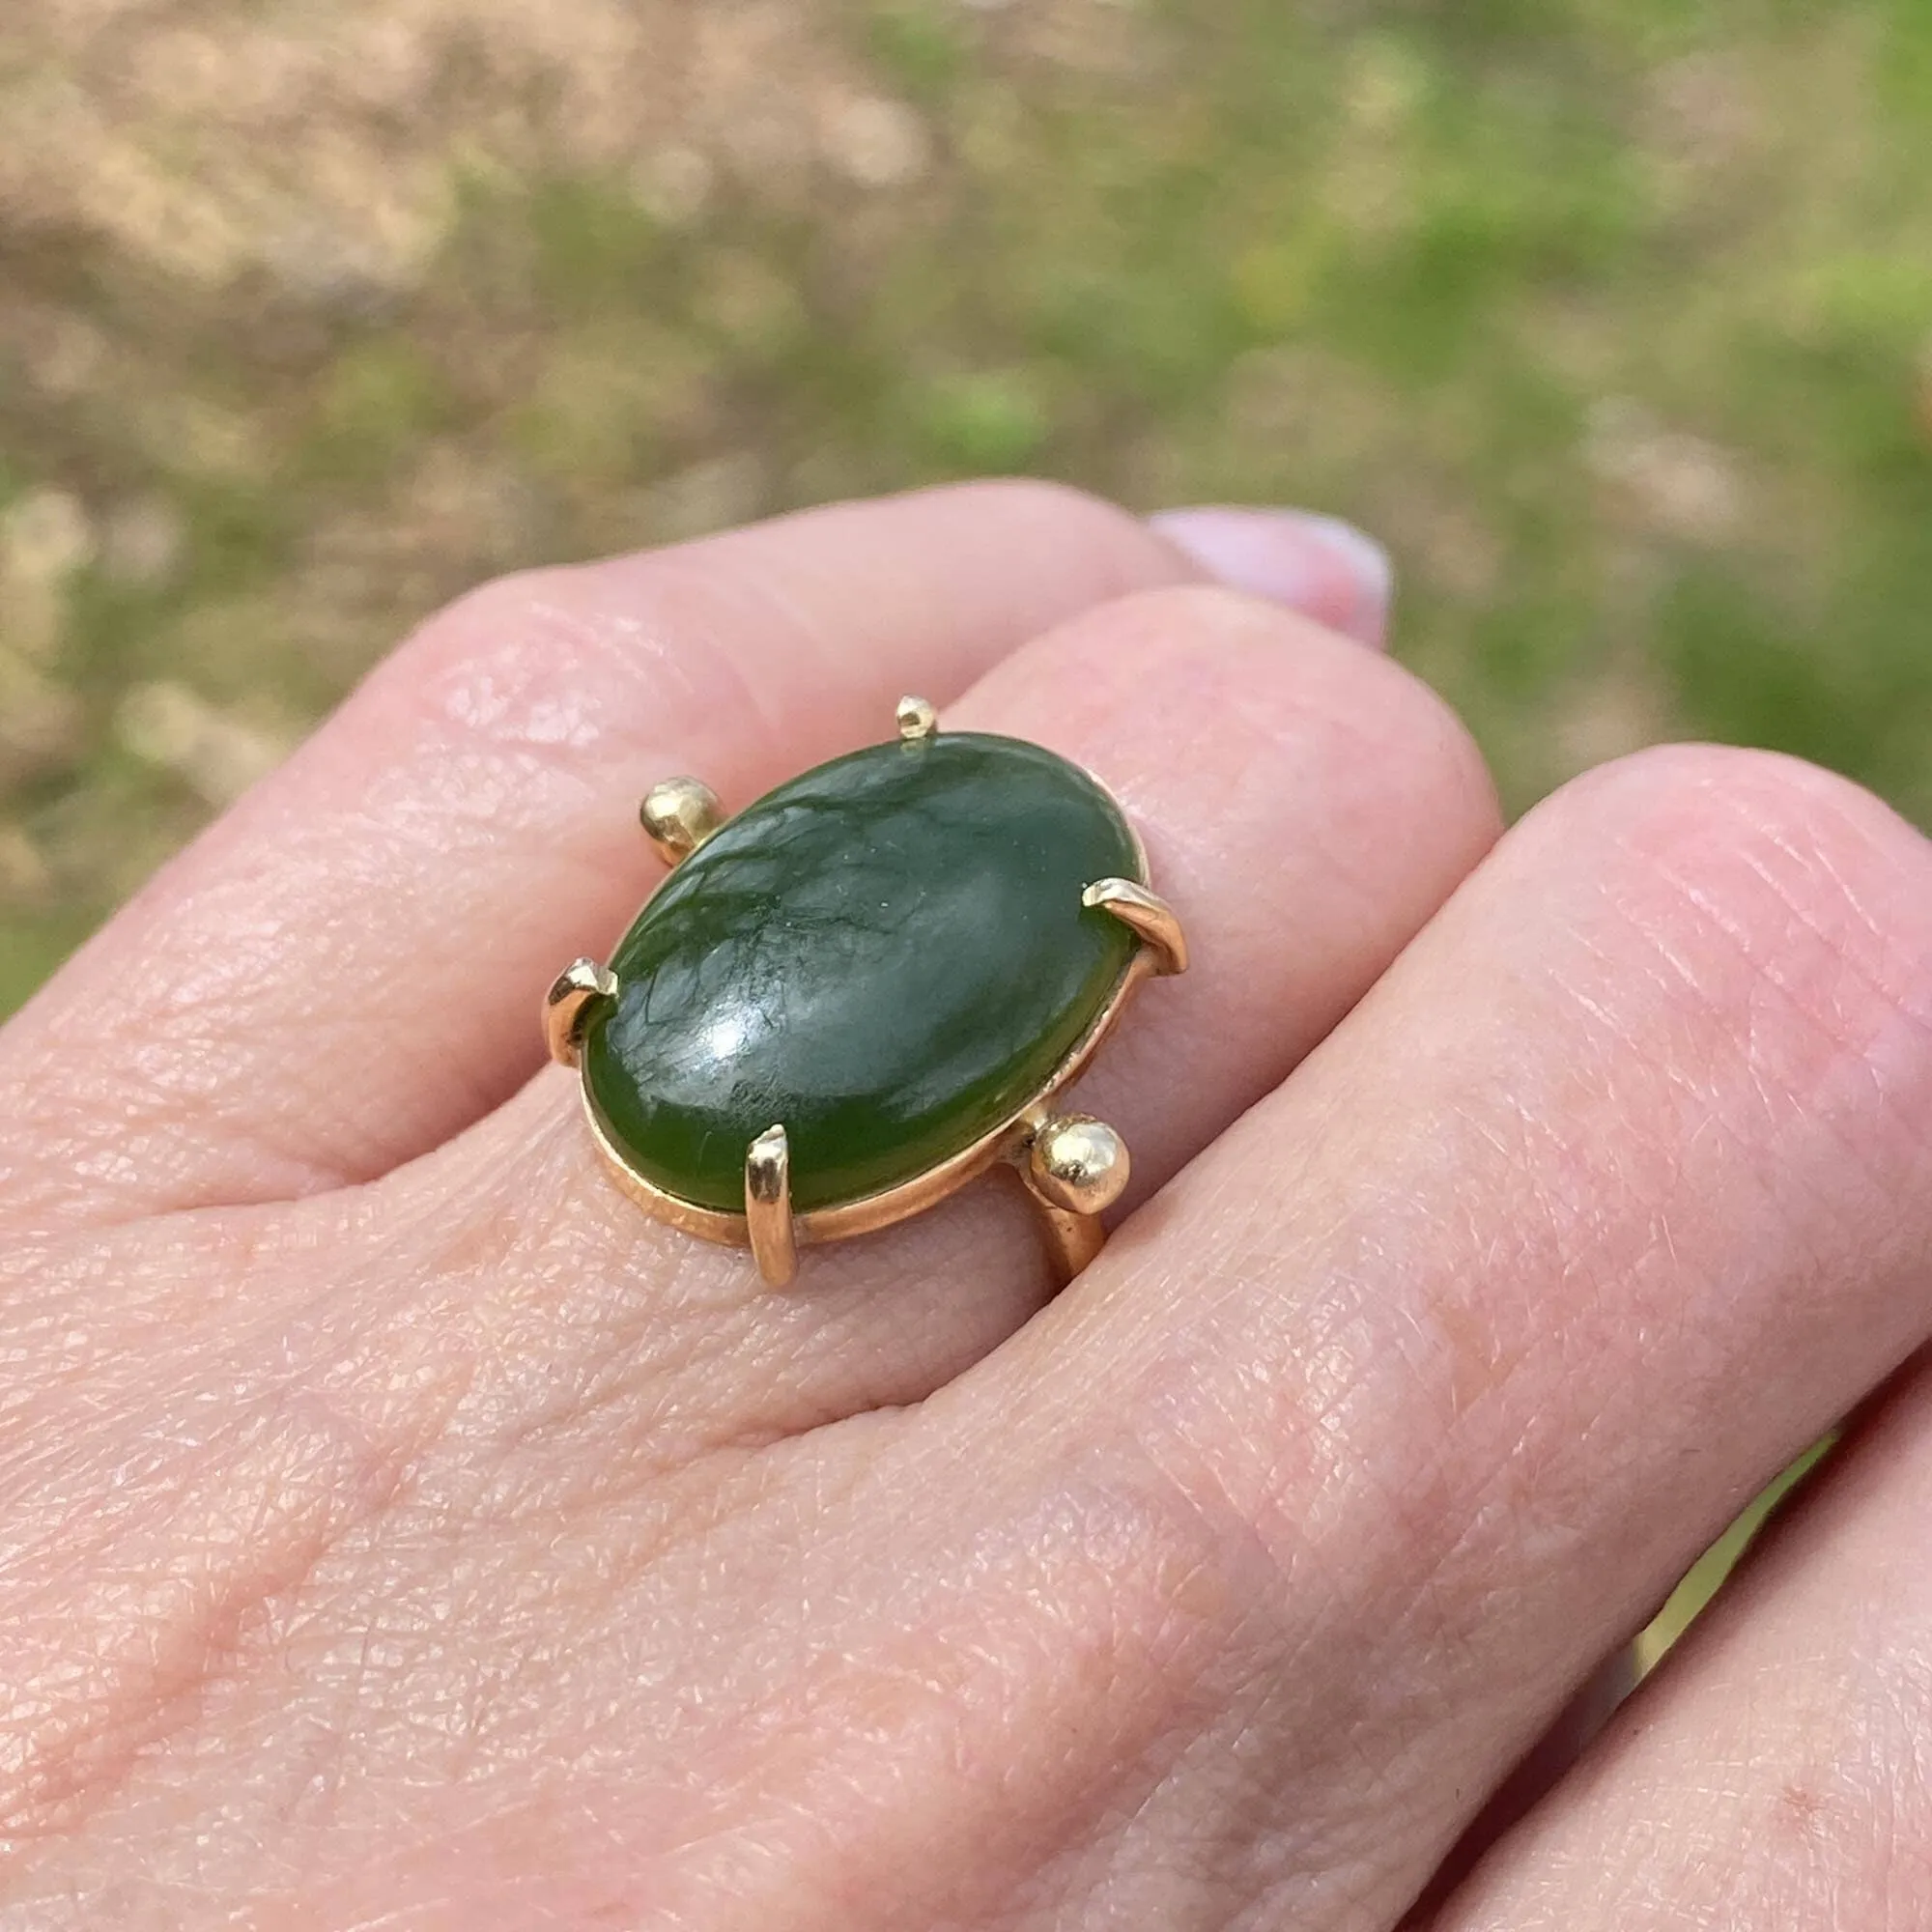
1072	1240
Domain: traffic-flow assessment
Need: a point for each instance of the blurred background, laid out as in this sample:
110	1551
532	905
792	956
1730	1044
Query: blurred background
1613	318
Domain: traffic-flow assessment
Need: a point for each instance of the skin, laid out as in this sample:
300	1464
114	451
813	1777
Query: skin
397	1531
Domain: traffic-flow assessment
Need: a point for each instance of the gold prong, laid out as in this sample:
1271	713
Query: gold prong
680	815
576	990
768	1206
1077	1164
1149	914
916	719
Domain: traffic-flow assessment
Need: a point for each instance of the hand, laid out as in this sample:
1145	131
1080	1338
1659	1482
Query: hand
401	1531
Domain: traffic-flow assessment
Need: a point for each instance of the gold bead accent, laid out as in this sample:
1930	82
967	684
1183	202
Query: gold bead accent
680	815
1078	1163
916	719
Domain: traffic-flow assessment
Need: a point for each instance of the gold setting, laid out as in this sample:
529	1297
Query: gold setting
1077	1164
768	1222
1075	1167
1147	913
567	1006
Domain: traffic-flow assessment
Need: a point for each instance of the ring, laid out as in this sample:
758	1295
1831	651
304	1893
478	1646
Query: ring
867	989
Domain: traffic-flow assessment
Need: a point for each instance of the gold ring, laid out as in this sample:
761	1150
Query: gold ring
867	989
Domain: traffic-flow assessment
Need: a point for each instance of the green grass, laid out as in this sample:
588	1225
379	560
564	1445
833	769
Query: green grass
1409	272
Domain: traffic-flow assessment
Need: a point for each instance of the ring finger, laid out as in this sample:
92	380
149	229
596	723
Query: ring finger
337	977
1307	805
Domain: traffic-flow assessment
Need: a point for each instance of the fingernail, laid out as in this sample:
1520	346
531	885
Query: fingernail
1318	565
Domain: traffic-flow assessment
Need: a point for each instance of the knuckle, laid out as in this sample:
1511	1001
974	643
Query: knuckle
500	607
1411	738
1156	1566
1117	554
672	635
566	660
1788	905
1043	499
1215	672
1184	637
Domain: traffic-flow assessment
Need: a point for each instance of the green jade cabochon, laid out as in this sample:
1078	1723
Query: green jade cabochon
887	956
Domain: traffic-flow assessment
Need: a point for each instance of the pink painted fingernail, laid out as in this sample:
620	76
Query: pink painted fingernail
1318	565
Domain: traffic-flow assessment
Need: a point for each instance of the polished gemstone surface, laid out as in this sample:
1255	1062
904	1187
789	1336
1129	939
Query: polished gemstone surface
888	955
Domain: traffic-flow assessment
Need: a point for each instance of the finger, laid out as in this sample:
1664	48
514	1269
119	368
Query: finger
1440	1365
1547	1761
343	972
1306	805
1775	1771
507	1381
1340	576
